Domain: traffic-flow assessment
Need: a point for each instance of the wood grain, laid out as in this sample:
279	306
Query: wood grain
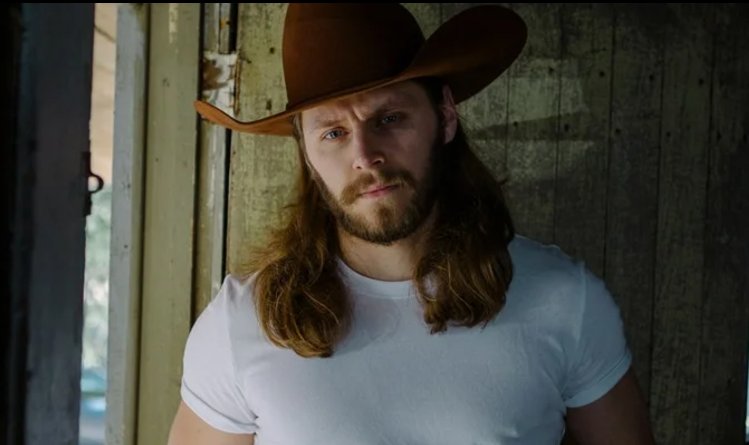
685	120
213	153
584	119
169	213
484	116
262	167
533	108
725	306
632	187
126	250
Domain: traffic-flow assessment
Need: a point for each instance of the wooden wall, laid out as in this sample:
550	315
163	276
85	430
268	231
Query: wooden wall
623	131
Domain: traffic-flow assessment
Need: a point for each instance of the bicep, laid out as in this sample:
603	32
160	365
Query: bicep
189	429
619	417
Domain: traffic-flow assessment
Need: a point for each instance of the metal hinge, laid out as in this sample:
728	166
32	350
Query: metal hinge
219	80
90	175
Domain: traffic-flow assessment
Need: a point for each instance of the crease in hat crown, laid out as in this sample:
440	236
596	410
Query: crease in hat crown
334	50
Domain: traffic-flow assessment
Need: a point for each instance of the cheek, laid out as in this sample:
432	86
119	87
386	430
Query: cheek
328	174
418	160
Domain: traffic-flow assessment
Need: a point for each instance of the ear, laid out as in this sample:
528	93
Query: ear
449	115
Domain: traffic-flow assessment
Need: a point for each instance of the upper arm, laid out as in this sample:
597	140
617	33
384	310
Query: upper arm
189	429
619	417
210	385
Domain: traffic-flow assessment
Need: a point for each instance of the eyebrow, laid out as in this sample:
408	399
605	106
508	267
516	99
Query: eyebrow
402	100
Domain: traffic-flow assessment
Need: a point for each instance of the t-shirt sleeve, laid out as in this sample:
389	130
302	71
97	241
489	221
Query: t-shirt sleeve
600	355
209	382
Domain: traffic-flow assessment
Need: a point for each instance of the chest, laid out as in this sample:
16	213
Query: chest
392	382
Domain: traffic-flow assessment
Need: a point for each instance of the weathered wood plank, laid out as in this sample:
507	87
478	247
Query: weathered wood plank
262	167
631	203
127	226
210	234
484	116
725	309
533	108
584	110
169	213
685	119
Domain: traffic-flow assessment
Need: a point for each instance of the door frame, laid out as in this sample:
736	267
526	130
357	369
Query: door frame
48	210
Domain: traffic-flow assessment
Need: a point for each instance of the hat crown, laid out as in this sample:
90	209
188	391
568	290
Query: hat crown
330	47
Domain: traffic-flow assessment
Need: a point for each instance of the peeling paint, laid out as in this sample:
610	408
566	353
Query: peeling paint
218	79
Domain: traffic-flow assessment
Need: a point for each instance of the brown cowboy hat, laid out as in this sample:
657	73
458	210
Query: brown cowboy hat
334	50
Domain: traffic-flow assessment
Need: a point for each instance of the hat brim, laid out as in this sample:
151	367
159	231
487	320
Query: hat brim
467	52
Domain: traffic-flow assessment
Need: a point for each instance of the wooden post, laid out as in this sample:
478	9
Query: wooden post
169	211
126	248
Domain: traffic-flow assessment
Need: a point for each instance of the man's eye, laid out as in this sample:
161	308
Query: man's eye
389	119
332	134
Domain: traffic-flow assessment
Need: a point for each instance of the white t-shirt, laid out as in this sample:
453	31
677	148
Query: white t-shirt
557	343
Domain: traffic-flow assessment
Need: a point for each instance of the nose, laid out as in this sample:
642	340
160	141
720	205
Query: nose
367	153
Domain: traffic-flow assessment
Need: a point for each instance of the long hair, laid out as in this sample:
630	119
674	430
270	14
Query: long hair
462	277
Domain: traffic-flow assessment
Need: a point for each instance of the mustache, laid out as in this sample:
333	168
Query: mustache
387	177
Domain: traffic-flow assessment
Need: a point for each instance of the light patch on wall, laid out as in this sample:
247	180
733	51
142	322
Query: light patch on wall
173	19
539	86
574	94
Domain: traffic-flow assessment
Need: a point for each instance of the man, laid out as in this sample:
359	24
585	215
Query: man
397	305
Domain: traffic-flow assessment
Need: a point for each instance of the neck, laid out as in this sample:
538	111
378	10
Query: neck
394	262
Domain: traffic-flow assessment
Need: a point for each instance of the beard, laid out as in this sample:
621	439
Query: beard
389	224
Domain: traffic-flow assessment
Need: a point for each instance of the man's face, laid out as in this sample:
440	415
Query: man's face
373	157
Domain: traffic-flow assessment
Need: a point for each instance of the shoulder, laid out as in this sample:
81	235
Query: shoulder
236	290
563	299
234	295
210	378
543	264
229	310
549	281
550	285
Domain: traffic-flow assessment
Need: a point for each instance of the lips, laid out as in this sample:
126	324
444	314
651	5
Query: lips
378	189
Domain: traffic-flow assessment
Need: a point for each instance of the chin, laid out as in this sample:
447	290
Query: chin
371	212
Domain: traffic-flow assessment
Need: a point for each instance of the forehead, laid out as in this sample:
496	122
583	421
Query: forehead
403	94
